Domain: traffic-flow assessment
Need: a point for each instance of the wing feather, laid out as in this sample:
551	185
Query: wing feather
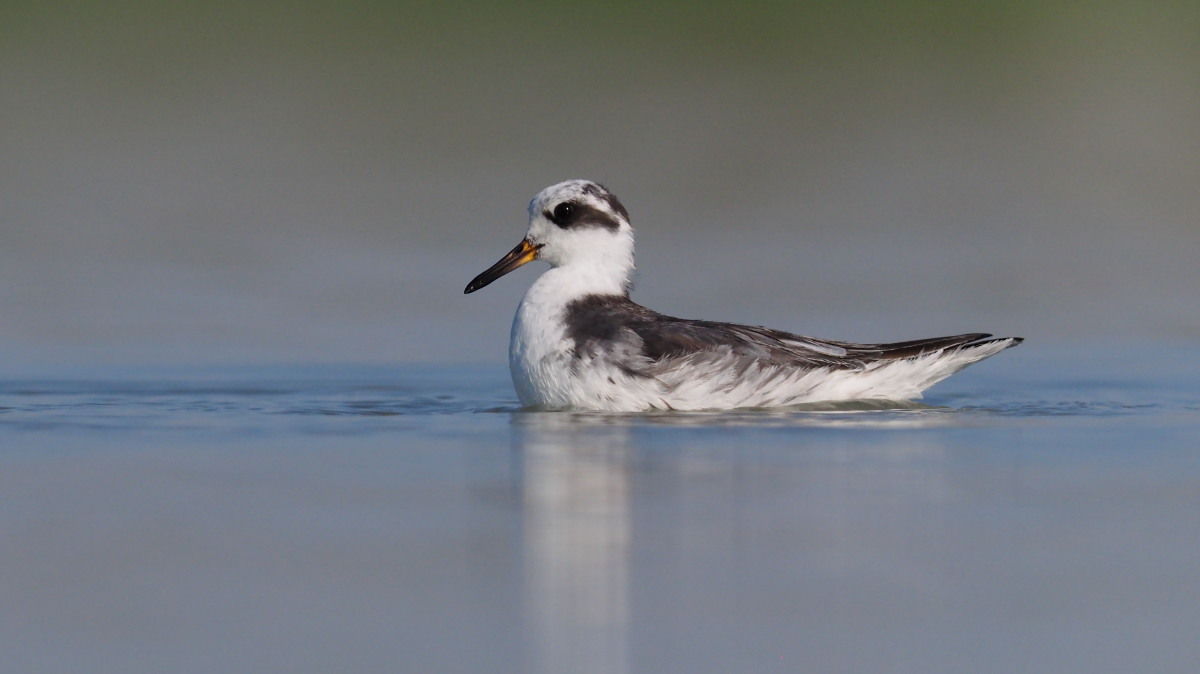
664	339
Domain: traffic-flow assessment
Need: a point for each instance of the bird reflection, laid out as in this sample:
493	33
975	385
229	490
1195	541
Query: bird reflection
576	542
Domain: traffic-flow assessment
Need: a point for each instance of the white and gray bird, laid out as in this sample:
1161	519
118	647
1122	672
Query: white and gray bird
579	342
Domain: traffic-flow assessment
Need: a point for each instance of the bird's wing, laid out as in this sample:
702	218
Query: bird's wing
668	338
643	339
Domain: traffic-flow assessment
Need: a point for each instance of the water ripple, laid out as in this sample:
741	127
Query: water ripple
349	402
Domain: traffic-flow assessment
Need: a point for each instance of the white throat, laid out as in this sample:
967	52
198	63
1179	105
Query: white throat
593	262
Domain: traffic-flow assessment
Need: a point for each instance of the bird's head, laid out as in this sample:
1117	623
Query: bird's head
577	224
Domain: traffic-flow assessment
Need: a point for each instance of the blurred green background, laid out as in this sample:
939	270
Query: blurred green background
196	183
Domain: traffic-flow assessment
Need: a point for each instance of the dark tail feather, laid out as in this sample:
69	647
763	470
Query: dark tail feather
917	347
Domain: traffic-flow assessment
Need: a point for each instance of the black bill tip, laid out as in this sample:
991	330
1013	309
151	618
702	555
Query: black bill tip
525	252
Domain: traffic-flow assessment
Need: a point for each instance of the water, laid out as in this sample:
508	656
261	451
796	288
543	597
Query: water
195	183
1034	513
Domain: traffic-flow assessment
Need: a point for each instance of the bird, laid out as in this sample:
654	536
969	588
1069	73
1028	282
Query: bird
578	341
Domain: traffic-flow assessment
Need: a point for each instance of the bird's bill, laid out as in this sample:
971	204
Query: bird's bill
526	251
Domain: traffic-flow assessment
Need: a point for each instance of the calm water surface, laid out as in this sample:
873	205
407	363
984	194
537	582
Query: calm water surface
1039	512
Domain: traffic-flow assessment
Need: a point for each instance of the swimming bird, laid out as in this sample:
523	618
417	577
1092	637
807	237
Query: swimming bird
579	342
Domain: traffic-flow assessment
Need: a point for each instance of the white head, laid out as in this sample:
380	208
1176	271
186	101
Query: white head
579	225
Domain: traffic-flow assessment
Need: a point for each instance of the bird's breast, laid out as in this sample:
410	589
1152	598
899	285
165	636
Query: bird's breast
539	351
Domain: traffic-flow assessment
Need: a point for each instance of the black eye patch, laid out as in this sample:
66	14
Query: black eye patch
609	198
571	214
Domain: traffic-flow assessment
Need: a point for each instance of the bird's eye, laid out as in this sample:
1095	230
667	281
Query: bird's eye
563	213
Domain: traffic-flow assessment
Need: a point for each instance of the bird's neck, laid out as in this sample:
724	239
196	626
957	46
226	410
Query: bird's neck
561	285
589	262
582	278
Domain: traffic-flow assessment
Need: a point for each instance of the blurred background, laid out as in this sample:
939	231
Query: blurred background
232	182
